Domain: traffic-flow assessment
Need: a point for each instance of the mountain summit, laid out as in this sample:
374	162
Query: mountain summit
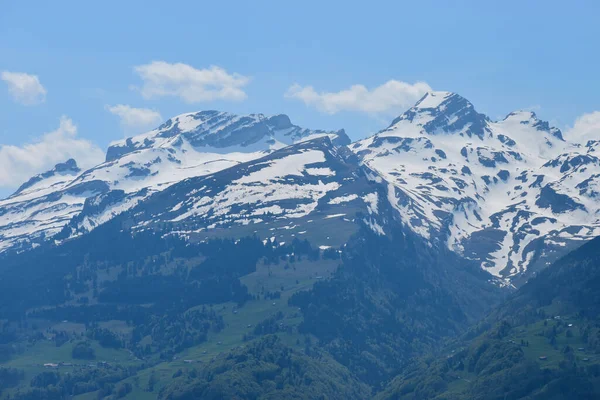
217	132
61	173
445	112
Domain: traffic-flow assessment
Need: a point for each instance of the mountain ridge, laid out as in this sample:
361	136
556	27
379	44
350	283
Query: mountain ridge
511	194
152	163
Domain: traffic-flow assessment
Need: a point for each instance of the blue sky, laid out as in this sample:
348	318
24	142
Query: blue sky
502	56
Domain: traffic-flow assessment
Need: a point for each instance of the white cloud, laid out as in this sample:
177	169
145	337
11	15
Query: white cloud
190	84
24	88
391	97
19	163
586	127
135	118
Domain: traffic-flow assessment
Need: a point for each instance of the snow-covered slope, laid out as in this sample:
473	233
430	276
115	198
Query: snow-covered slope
188	145
310	189
511	194
41	206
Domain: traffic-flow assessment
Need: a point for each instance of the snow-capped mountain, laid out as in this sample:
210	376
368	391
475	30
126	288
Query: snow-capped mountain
188	145
511	194
40	207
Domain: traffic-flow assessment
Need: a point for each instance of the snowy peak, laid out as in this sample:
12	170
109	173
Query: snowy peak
434	100
445	112
533	136
223	132
61	173
511	194
529	118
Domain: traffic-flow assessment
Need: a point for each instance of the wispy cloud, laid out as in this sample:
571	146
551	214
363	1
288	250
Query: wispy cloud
586	127
391	97
25	89
133	119
192	85
19	163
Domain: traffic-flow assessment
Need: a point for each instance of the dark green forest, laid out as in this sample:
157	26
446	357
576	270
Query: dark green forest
151	316
542	343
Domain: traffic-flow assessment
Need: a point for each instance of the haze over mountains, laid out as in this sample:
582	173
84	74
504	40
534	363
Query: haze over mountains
511	195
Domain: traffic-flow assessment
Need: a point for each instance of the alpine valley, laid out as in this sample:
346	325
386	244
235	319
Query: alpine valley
223	256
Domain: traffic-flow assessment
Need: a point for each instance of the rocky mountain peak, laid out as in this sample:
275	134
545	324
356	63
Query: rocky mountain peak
221	131
531	119
68	168
443	113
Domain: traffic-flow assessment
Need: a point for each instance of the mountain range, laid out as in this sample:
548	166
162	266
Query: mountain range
511	196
